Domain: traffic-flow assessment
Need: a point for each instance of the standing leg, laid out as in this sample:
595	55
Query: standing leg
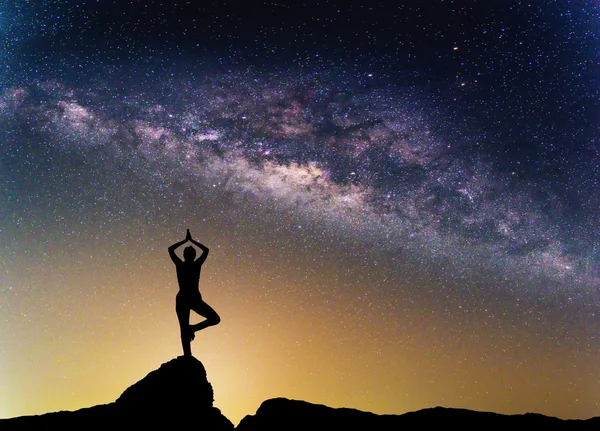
183	315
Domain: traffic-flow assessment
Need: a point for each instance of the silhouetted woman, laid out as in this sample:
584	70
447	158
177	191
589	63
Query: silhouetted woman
189	298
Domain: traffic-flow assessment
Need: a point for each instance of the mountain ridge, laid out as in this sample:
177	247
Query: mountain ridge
282	413
179	393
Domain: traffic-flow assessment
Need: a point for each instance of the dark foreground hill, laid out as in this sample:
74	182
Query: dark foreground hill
290	415
178	394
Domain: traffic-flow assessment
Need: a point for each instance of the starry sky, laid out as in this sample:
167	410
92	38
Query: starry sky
401	201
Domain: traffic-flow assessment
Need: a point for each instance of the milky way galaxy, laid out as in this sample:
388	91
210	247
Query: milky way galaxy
410	223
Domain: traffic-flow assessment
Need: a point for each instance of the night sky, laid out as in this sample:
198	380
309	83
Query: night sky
401	201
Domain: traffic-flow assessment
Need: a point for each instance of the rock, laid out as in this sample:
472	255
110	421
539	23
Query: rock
179	384
175	395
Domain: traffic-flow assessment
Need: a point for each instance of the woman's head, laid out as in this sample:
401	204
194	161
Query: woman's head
189	253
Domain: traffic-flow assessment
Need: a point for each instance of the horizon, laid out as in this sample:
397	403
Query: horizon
400	202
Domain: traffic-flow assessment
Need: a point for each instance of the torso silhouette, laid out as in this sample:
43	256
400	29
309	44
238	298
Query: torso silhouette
188	276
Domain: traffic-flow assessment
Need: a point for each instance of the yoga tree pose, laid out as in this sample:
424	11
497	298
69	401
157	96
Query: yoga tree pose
189	298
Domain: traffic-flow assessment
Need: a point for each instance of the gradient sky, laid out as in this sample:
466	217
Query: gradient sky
401	201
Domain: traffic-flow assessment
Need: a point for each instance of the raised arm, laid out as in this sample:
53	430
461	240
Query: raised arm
172	249
202	247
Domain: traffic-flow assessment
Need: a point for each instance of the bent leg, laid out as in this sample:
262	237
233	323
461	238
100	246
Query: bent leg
206	311
183	315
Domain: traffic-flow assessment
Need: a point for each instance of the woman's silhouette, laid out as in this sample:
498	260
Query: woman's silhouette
189	298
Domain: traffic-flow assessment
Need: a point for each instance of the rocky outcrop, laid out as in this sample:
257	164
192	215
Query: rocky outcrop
176	394
178	385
